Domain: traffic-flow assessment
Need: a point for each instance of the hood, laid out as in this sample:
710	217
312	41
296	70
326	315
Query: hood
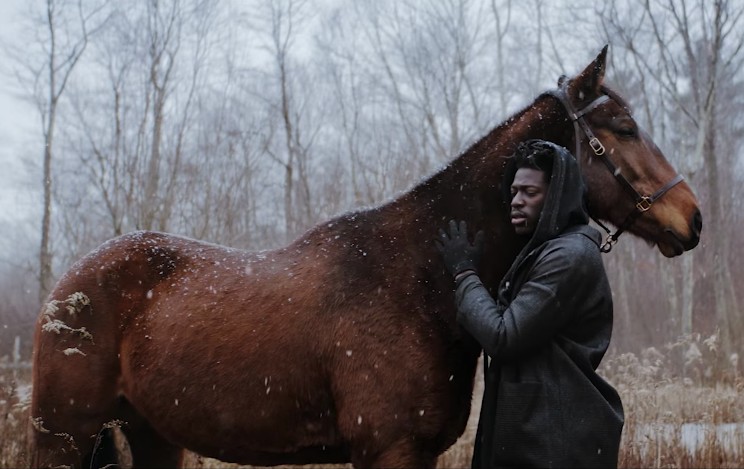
565	202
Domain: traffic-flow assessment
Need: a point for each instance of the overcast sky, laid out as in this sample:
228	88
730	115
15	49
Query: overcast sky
18	127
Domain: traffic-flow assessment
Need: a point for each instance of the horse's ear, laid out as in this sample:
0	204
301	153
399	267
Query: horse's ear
561	80
593	75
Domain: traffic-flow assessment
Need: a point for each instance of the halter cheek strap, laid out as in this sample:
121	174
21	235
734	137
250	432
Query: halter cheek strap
642	202
577	118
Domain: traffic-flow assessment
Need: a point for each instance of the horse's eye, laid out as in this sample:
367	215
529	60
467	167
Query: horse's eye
626	131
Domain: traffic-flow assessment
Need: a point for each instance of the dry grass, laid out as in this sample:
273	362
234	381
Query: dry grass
14	417
684	407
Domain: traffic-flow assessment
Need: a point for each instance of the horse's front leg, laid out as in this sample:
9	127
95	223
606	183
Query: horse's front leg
405	453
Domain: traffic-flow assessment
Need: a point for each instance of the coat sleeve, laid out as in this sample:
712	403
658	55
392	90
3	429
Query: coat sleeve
536	313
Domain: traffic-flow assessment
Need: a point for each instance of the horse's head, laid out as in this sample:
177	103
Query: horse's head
631	183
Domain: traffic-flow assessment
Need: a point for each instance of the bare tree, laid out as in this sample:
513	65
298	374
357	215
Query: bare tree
689	50
131	124
164	25
502	14
282	21
64	32
427	66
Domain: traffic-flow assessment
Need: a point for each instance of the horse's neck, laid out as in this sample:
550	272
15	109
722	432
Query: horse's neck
464	187
400	233
469	187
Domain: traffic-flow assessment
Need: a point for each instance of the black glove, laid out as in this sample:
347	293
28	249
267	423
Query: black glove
457	252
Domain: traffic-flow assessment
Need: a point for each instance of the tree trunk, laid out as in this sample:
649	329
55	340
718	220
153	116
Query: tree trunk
45	254
151	202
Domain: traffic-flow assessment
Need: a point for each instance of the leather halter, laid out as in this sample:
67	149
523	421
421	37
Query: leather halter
642	202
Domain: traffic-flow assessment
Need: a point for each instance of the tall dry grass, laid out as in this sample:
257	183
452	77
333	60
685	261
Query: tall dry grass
684	407
14	415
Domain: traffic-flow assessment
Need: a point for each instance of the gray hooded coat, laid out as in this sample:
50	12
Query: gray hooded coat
546	333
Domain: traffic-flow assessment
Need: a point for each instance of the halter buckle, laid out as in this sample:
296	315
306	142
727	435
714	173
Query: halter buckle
608	244
644	204
597	146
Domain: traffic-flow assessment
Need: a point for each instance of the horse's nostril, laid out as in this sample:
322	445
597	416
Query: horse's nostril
697	223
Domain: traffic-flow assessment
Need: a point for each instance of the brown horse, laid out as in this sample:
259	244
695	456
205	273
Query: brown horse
339	347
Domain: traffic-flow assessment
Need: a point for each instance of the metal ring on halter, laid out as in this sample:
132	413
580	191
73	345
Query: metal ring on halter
608	244
597	146
644	204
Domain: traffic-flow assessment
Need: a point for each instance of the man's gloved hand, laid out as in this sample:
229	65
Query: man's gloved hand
457	252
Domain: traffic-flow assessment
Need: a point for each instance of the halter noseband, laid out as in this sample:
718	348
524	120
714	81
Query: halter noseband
642	202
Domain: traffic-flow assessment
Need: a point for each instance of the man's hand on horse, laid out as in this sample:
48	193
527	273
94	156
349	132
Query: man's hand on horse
457	252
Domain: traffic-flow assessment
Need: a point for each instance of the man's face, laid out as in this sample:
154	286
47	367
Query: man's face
528	196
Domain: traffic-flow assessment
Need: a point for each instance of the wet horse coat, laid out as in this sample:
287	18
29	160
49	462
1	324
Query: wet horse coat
341	346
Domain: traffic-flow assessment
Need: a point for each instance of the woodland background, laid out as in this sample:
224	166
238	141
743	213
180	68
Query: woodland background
246	122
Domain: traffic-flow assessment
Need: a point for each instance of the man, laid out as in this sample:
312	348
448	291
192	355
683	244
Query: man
548	328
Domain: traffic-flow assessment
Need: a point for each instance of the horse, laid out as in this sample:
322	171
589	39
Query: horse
340	347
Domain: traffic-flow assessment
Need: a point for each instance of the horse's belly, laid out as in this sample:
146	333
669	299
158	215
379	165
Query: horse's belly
208	419
211	393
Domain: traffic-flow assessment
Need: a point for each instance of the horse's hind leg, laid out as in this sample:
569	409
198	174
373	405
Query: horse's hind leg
62	439
148	447
68	410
